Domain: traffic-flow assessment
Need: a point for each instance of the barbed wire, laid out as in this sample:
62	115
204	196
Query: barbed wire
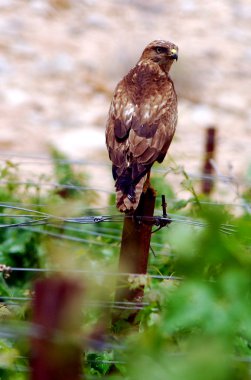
41	218
46	218
46	159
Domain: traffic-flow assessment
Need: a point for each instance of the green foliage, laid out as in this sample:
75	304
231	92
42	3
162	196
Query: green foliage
65	175
194	328
99	363
203	329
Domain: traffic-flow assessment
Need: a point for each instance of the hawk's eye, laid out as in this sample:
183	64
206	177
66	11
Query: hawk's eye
161	50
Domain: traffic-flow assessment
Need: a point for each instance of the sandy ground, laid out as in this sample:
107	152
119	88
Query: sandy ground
60	61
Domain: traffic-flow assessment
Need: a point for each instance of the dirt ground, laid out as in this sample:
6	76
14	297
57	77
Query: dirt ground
60	61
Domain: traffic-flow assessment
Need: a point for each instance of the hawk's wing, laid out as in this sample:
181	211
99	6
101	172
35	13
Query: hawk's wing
118	127
140	126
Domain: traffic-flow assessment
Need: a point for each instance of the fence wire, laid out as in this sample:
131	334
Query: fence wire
35	221
7	270
135	306
30	330
42	218
33	159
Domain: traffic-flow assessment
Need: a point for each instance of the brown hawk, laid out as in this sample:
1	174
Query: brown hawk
142	121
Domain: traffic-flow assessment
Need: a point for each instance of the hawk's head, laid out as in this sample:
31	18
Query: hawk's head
161	52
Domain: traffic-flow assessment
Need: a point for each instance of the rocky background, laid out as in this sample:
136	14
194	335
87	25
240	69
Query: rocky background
60	61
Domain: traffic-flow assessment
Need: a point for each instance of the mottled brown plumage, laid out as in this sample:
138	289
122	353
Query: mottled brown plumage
142	121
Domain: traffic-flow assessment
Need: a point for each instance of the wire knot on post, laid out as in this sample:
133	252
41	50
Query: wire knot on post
158	221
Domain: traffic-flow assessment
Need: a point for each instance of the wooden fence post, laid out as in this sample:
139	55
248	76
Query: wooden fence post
56	317
207	170
134	252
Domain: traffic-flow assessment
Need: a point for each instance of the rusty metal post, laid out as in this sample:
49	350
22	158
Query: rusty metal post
56	317
207	170
134	251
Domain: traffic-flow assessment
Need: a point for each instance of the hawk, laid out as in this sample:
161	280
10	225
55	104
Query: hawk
142	121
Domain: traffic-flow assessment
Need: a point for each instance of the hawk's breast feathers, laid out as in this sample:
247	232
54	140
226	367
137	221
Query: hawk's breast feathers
140	127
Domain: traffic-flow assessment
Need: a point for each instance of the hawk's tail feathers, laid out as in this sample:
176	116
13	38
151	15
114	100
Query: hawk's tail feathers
125	184
128	202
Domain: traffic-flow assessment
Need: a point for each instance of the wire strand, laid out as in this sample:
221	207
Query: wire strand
104	304
154	220
92	273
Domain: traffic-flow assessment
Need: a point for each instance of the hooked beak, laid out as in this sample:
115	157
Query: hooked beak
174	54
